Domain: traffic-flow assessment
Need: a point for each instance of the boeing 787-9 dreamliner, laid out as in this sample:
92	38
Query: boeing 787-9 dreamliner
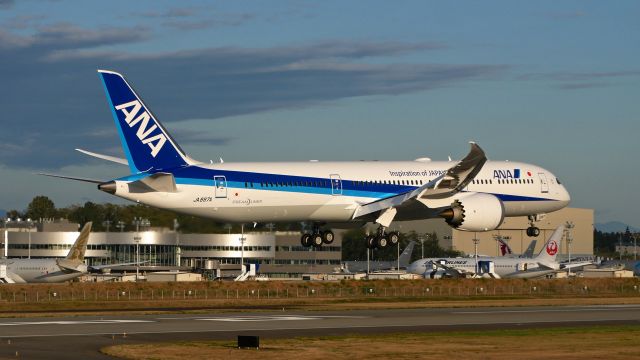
472	194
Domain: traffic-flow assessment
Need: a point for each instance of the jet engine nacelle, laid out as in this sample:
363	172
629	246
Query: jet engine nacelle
476	212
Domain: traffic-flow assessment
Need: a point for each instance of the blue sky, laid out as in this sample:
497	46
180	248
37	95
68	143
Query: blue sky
547	82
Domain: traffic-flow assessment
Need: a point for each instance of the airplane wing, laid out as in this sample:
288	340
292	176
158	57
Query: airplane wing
452	182
577	264
105	157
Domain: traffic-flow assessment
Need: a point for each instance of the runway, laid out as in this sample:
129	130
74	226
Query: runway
51	338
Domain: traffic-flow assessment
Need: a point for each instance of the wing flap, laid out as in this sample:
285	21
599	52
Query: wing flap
452	181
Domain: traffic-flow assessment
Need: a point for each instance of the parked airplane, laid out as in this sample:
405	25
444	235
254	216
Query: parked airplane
498	267
505	249
50	270
361	266
472	194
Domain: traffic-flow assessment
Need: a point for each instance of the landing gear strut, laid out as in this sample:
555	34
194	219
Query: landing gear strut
317	237
533	230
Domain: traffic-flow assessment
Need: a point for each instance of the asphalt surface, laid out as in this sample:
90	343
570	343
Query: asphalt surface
81	337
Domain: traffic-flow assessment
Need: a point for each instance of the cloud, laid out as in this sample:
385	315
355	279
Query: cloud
578	86
6	4
579	76
170	13
210	22
193	137
56	102
580	80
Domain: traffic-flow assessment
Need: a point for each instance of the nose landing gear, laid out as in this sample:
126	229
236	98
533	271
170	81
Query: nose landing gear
533	230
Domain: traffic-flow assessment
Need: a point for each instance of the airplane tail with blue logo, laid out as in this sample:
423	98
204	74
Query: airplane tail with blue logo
146	143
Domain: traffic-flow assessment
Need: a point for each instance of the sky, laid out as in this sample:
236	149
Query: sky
553	83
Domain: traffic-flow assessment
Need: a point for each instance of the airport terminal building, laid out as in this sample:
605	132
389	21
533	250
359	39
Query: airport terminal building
278	254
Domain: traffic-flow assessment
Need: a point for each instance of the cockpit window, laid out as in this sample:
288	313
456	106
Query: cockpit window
558	181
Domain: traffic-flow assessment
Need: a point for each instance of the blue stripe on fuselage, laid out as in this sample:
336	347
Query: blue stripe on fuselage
194	175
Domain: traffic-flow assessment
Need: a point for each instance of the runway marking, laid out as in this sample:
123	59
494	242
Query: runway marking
272	318
265	317
540	311
64	322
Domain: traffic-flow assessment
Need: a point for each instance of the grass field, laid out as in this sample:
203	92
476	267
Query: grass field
606	342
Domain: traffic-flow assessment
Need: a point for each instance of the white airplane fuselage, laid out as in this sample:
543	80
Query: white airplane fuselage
40	271
521	268
331	191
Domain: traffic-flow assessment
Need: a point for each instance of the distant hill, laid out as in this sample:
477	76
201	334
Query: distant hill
615	226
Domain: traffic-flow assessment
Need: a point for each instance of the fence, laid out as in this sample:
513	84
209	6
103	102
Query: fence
125	292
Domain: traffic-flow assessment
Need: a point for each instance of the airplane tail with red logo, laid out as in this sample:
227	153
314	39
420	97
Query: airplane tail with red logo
551	248
504	247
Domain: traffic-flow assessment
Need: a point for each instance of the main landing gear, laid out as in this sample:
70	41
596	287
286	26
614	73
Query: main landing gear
533	230
381	240
317	237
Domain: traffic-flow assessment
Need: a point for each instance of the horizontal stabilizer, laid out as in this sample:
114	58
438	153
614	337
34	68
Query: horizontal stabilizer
105	157
71	265
158	182
73	178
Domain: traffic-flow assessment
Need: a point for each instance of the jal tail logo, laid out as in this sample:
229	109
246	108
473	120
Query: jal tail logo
552	248
145	132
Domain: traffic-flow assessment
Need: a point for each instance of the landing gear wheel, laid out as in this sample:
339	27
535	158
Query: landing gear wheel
394	237
371	242
328	237
381	242
316	240
533	231
305	240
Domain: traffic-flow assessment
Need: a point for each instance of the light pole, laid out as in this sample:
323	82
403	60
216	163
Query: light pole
5	235
635	250
475	246
569	234
107	224
398	248
138	222
242	240
176	225
120	225
620	247
421	239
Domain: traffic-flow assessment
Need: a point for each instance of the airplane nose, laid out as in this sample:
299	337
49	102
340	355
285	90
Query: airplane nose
564	196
